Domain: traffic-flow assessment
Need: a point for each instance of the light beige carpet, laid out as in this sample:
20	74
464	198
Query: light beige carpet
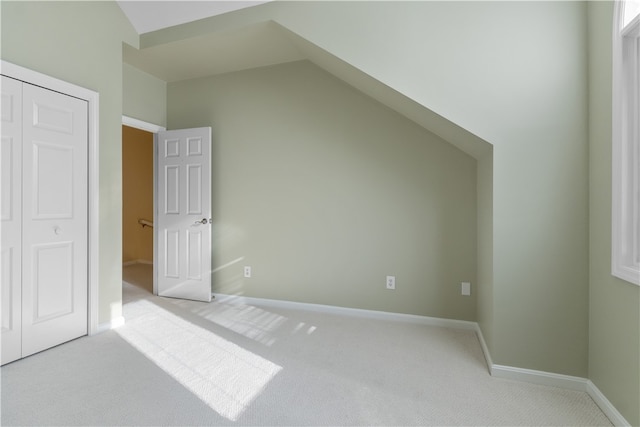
189	363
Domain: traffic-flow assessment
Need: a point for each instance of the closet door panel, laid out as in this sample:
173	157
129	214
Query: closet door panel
11	218
55	234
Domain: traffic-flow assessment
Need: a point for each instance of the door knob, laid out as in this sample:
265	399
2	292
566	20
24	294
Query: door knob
57	230
203	221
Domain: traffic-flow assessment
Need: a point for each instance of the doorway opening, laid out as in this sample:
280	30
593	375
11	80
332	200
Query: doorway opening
178	236
137	208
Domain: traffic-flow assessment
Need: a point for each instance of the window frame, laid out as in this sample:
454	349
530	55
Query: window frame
625	252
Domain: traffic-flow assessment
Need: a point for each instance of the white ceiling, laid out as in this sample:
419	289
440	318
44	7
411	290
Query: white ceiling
258	45
146	16
254	46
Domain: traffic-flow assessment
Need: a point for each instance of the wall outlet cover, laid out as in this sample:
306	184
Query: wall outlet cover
465	288
391	282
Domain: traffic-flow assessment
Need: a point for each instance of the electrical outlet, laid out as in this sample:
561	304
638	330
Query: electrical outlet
391	282
247	271
465	288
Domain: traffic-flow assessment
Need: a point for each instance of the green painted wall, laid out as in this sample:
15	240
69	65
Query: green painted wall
81	42
485	292
515	74
144	96
614	315
324	192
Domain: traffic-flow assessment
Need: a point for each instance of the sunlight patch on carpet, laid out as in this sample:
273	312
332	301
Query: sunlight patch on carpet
247	320
252	322
222	374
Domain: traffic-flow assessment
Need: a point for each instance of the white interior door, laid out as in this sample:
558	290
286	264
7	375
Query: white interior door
45	215
11	213
183	217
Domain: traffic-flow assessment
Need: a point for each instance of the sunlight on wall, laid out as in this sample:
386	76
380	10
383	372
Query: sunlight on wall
223	375
230	282
229	264
115	314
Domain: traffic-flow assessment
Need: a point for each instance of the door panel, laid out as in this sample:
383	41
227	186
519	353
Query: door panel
52	260
184	212
172	260
54	240
194	183
172	187
52	117
194	254
52	181
11	216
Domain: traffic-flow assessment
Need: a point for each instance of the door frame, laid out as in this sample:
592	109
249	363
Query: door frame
93	100
154	129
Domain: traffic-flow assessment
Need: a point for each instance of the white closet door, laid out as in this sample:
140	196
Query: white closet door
54	238
11	214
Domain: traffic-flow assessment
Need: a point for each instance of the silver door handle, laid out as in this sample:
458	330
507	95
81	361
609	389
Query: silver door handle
203	221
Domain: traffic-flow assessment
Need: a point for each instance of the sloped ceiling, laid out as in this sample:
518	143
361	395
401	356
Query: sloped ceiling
268	43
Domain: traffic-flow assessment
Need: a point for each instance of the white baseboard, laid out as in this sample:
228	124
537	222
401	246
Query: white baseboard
540	377
485	348
609	410
345	311
137	261
114	323
554	380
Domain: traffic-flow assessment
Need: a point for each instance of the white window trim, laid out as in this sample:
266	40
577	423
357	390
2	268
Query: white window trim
625	254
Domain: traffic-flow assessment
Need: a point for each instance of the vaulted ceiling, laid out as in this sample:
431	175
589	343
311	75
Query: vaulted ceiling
257	44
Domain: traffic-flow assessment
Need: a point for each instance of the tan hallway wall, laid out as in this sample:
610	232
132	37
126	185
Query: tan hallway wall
137	194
